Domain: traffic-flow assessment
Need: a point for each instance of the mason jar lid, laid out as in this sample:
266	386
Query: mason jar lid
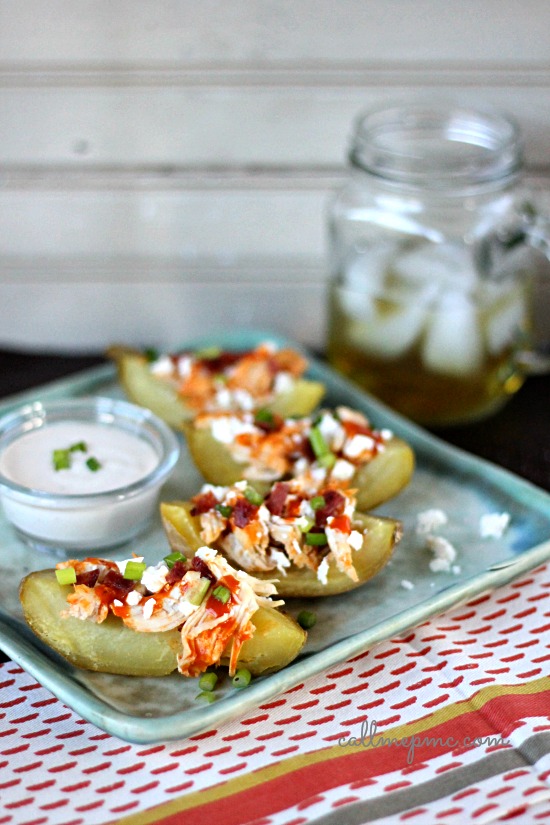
437	146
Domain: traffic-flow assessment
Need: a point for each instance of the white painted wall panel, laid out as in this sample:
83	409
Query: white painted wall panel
259	32
225	224
161	307
165	166
291	127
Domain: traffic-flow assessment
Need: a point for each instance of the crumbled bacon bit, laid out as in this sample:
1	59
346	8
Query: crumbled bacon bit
243	512
201	567
275	501
88	577
221	362
334	505
117	584
176	572
203	502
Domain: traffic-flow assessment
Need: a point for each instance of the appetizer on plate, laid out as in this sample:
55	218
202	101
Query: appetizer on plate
132	619
338	448
312	539
179	386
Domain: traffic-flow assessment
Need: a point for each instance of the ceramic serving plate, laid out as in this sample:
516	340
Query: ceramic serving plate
404	594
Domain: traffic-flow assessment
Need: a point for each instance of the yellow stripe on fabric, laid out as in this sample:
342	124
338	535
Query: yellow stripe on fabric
263	775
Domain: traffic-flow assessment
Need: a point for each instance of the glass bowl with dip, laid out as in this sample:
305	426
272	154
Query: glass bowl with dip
83	475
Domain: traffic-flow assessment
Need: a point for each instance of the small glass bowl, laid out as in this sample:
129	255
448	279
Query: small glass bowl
84	522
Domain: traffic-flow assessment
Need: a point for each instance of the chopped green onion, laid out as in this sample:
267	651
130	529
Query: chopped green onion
79	447
317	502
253	496
222	593
61	459
241	678
328	460
305	524
318	443
151	354
206	696
196	594
224	509
306	619
264	416
315	539
65	575
134	570
93	464
323	453
172	558
208	681
208	353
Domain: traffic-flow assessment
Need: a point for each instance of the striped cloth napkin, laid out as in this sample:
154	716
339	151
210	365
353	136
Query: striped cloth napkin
448	723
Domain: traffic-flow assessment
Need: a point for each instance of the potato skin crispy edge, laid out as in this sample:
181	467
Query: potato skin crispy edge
112	647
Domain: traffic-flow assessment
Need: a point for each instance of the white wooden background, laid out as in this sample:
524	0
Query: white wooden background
165	166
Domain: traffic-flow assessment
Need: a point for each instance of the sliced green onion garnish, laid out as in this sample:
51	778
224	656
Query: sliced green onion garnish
206	696
305	524
264	416
151	354
315	539
134	570
93	464
318	443
253	496
306	619
61	459
222	593
241	678
196	594
224	509
172	558
66	575
208	681
208	353
79	447
328	460
317	502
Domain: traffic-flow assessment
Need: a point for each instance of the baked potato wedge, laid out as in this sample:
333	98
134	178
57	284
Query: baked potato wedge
113	647
109	647
379	539
376	479
177	401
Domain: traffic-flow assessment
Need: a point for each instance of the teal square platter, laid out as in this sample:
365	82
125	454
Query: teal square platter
404	594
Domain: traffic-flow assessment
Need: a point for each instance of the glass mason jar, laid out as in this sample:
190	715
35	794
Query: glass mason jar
431	246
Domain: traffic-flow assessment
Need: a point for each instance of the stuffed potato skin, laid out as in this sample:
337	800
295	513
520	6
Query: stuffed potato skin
145	389
142	388
112	647
109	647
380	537
375	482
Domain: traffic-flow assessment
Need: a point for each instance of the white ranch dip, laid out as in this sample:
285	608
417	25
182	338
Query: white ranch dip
122	456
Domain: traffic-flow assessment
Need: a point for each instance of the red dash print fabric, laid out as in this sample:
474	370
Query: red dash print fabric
447	724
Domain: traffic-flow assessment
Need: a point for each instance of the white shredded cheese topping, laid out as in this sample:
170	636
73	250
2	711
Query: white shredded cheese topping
322	571
444	553
430	520
493	525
